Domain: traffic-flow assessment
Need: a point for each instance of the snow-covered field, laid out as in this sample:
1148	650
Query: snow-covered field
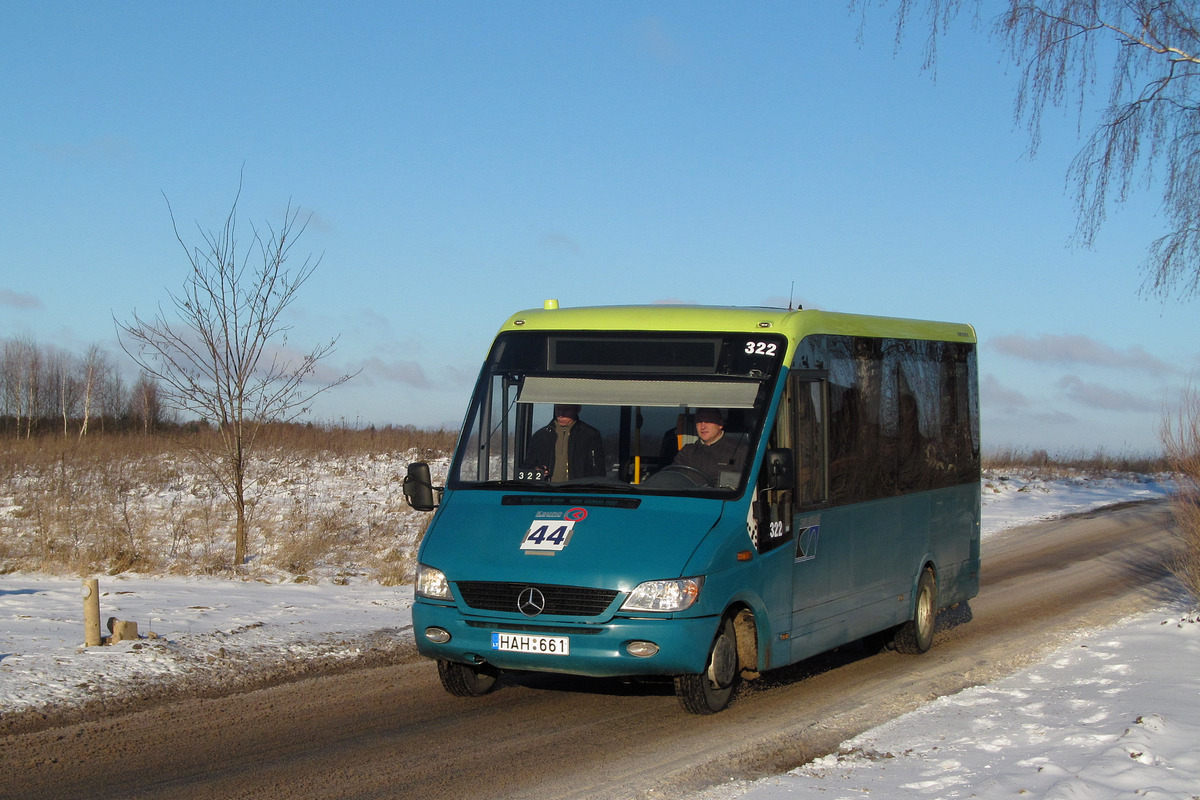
1115	713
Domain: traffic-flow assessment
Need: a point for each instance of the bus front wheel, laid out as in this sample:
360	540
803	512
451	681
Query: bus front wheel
711	690
464	680
916	635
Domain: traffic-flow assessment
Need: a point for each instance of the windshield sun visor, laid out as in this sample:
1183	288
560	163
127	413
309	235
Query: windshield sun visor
662	394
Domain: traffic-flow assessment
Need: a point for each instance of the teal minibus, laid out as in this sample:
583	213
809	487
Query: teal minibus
700	494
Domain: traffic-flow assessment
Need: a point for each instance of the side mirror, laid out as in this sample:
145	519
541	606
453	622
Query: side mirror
418	487
780	469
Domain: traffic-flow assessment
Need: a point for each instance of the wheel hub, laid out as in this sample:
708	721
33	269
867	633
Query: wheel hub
723	666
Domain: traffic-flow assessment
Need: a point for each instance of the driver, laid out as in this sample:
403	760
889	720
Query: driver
715	453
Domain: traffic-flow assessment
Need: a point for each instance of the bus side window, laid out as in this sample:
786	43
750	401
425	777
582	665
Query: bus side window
809	441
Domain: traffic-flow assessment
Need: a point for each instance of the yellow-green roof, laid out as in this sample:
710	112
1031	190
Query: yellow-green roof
793	324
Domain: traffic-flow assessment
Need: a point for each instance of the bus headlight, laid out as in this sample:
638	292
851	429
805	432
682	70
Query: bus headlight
673	595
432	583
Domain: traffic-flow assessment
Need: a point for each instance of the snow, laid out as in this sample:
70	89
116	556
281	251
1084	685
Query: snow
194	628
1111	715
1115	713
1021	497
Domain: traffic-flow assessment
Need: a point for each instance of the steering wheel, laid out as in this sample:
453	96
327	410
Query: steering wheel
695	476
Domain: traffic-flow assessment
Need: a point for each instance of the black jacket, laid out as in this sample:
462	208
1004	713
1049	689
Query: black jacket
727	455
585	452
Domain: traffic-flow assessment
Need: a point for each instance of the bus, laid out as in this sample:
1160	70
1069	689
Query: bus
732	490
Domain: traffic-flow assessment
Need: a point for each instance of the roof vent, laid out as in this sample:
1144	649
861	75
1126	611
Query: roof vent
550	305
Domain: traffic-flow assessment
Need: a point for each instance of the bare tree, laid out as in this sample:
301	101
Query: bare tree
145	406
1147	52
61	373
10	383
95	366
39	383
23	378
224	356
112	400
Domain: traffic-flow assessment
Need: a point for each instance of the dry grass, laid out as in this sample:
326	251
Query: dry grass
1075	462
302	440
315	439
326	501
1180	436
78	502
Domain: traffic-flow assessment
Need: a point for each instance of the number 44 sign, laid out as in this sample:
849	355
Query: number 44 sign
548	534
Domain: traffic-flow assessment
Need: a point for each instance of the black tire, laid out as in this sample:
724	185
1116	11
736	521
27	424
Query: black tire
916	636
712	690
464	680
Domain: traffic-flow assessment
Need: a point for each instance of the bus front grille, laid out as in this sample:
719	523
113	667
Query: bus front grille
570	601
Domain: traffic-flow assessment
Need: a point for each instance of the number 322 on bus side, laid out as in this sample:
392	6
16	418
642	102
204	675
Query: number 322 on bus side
700	494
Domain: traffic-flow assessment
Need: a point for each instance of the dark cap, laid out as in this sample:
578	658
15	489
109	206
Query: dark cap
710	415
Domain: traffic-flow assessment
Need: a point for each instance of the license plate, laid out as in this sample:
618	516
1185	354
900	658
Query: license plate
520	643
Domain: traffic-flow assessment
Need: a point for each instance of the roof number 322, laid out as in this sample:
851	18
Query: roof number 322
760	348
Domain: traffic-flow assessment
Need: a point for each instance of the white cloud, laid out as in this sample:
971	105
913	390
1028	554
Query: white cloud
409	373
19	300
1079	350
995	394
1103	396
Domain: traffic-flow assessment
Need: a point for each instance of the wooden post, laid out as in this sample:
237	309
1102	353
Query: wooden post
91	612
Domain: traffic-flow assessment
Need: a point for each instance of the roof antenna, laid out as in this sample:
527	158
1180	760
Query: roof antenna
792	292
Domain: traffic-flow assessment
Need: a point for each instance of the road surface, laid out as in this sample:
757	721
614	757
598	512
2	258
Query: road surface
391	732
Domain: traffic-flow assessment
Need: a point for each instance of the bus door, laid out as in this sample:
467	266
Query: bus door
820	559
812	475
772	527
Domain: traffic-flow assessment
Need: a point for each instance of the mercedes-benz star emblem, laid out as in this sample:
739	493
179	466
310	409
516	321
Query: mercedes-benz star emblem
531	602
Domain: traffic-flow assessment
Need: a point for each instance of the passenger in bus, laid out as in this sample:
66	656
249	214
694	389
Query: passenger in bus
715	454
566	448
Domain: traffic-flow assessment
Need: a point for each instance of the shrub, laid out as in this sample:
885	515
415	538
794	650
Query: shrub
1180	436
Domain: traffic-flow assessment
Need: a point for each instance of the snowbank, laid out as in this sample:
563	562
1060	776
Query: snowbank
1111	715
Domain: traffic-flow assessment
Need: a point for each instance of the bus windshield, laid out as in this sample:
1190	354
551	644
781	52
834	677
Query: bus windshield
652	412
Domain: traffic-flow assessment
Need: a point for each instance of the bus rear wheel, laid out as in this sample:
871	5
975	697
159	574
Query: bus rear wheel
916	636
464	680
711	690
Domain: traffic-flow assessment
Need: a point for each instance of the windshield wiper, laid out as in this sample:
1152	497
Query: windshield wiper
513	483
603	486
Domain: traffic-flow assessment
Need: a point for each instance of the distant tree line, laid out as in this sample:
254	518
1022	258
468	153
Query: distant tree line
45	389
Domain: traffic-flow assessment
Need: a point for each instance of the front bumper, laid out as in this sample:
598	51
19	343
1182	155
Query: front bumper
597	650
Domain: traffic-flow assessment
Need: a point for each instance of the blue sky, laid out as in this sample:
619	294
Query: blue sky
462	161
